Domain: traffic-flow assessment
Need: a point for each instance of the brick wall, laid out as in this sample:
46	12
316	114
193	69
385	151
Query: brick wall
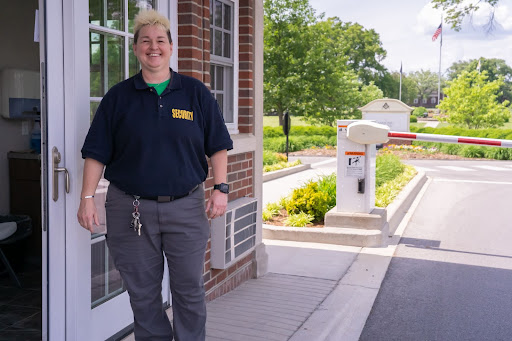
194	60
246	64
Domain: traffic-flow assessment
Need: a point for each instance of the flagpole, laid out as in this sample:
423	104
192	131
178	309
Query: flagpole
439	82
400	92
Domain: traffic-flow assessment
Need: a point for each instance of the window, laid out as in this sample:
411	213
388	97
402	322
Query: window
433	100
224	58
424	101
416	101
111	60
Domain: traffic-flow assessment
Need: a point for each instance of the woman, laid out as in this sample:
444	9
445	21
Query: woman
151	132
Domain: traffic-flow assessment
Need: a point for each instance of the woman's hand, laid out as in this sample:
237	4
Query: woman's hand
87	214
216	205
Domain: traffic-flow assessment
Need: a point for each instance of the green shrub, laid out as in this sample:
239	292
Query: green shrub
309	200
385	194
270	158
419	111
327	184
281	165
387	168
300	219
472	151
450	148
498	153
296	143
413	119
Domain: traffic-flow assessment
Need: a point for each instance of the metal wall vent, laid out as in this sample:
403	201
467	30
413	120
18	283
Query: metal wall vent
234	234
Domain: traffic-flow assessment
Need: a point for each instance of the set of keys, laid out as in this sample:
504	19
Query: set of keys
135	224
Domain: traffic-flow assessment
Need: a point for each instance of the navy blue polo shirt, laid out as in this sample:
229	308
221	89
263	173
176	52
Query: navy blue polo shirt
156	145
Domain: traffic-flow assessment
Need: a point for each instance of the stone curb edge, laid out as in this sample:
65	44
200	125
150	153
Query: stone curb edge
284	172
395	213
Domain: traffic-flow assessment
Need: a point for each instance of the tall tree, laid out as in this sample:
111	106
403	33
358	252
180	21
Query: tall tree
457	10
363	48
472	101
426	82
334	90
286	44
494	68
391	87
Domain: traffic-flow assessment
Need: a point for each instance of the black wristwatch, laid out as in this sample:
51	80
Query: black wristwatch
224	188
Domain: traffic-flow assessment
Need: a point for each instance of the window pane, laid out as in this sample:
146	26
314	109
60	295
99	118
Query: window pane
227	45
107	13
218	14
219	81
218	43
95	61
106	62
220	100
134	6
228	110
227	17
212	76
94	106
133	62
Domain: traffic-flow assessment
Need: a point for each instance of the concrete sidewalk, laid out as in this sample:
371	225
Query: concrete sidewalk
312	291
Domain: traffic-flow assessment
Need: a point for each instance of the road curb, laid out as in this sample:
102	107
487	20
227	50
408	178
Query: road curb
343	313
352	237
284	172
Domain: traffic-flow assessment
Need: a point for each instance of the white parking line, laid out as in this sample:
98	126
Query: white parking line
493	168
425	169
472	181
458	169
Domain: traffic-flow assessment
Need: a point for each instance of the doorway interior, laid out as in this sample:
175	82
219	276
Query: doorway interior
20	173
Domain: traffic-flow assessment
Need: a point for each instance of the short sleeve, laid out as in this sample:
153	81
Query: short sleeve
216	133
98	144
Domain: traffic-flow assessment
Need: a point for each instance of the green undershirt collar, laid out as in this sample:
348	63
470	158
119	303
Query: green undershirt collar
159	87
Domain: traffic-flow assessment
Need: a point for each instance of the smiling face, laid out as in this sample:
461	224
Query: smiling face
153	49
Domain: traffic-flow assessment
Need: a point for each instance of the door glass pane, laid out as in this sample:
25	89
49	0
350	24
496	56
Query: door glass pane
134	6
107	13
134	65
94	107
106	62
227	17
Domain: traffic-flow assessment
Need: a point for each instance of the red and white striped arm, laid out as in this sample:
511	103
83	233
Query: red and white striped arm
450	139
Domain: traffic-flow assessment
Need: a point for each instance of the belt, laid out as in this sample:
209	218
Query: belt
169	198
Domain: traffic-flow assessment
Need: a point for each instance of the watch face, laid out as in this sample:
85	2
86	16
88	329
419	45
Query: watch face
224	188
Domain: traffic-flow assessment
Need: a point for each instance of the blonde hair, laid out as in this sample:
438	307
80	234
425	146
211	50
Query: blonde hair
150	18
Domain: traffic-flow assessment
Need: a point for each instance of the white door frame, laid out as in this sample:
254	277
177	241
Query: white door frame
53	213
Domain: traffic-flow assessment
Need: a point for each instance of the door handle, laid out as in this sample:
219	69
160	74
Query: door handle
56	170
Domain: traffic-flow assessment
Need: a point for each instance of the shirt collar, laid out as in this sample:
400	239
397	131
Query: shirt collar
175	82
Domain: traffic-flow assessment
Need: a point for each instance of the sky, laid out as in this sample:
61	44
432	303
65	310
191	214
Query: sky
406	28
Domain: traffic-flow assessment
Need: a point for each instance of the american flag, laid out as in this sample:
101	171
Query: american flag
437	32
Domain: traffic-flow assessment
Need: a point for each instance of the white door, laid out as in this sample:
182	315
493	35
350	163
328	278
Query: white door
85	49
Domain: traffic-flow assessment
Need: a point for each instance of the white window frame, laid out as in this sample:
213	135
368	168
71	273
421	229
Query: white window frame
433	100
233	63
424	101
416	101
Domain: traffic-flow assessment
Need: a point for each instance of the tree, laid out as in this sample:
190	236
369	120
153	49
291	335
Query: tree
494	67
426	82
457	10
472	101
333	89
286	43
390	86
363	49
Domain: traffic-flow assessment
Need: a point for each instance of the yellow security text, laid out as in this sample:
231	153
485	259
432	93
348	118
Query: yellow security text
183	114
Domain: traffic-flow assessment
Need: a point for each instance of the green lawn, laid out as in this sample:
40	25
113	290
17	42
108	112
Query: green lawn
273	121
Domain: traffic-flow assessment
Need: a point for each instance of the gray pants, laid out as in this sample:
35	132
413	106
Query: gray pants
180	229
